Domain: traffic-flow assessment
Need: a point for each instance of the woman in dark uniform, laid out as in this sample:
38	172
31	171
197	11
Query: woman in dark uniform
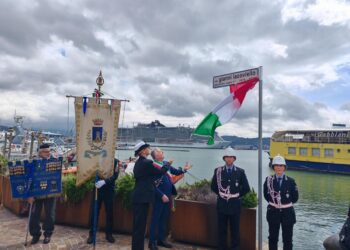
144	192
281	192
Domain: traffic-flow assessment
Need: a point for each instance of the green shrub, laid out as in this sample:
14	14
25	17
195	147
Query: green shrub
200	184
3	164
125	186
201	191
250	200
198	191
71	192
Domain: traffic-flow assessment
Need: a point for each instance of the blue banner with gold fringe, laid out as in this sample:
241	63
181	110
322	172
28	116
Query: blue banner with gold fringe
39	177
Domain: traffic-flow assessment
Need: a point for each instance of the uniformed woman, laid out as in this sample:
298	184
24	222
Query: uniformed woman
144	192
281	192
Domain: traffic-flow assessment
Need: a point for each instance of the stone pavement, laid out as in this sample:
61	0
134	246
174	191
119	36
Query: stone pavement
13	232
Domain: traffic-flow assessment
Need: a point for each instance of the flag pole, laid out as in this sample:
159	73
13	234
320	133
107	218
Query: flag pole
260	161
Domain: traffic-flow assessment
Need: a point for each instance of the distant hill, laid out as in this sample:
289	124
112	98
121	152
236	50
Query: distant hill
3	127
246	143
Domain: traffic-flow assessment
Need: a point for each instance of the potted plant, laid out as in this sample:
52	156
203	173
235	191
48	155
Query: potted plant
122	204
124	187
123	218
3	164
73	207
195	216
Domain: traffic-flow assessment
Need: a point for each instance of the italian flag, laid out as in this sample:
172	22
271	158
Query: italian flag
225	110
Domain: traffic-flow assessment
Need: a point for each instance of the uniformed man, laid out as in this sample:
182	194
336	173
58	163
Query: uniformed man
281	192
49	204
161	206
144	192
230	184
339	241
105	194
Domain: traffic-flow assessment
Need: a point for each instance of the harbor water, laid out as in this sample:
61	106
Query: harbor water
322	206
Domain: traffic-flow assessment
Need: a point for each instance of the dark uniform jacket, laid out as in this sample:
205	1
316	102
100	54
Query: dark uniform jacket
164	183
288	190
238	184
145	174
108	188
289	194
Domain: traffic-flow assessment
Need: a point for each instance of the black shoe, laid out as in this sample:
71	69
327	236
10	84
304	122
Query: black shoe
110	238
90	240
164	244
35	239
46	240
152	246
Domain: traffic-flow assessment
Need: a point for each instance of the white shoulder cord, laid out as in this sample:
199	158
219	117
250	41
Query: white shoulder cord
224	193
275	196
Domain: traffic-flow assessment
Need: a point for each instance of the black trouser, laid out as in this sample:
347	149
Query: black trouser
49	221
107	199
233	220
140	211
276	218
159	221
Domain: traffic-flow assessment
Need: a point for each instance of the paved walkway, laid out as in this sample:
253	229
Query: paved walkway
13	232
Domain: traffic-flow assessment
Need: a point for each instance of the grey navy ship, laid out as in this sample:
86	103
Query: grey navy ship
159	135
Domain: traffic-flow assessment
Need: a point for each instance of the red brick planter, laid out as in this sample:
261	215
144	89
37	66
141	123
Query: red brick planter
17	206
196	222
1	183
78	214
122	218
74	214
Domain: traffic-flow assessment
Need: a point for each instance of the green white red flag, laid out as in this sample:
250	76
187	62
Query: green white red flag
225	110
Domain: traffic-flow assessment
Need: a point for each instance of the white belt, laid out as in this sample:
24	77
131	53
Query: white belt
281	206
228	196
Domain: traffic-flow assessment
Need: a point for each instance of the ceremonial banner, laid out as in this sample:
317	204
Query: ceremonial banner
96	127
35	178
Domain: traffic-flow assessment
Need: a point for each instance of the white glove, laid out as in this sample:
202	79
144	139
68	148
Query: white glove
100	183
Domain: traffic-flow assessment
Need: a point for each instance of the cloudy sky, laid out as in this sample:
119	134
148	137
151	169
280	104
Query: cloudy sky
162	56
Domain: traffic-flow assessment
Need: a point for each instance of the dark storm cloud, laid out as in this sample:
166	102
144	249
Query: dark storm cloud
279	105
163	57
177	100
285	106
204	71
24	33
345	107
20	31
168	50
152	81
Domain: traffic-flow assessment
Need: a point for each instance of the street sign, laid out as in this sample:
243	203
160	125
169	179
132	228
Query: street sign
235	77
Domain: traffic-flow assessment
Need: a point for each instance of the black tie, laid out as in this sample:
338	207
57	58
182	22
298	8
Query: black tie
229	170
279	181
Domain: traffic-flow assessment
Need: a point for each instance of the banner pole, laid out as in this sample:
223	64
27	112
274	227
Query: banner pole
29	217
260	196
94	230
2	188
